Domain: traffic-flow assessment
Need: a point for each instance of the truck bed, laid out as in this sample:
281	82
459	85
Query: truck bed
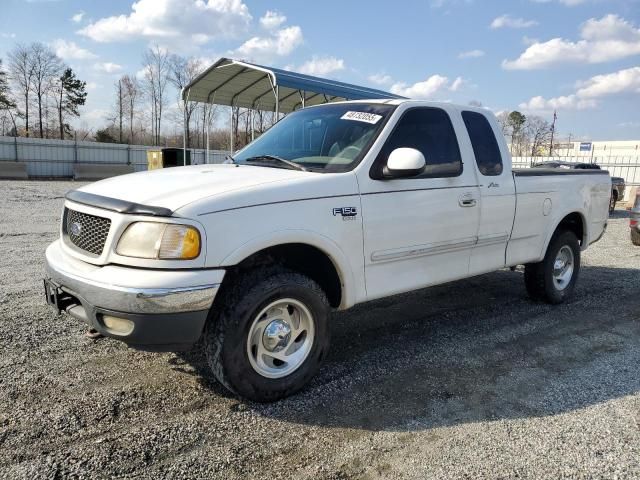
543	196
540	172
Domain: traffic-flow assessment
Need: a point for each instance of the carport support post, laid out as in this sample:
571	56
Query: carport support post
184	129
206	116
231	130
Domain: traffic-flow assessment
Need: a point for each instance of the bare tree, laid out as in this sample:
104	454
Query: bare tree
503	120
47	67
156	65
538	133
21	71
131	88
181	72
119	107
7	104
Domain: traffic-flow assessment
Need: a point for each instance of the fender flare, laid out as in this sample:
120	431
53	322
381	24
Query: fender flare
307	237
585	235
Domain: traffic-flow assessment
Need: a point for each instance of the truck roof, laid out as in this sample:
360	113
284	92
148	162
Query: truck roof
422	103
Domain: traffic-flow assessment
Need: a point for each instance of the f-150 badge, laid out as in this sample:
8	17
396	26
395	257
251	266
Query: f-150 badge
347	213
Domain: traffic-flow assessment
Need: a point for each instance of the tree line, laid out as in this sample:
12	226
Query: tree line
528	135
38	93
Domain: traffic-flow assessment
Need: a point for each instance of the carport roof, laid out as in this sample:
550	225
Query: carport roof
242	84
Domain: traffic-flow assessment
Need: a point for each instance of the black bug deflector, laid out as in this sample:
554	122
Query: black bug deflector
116	205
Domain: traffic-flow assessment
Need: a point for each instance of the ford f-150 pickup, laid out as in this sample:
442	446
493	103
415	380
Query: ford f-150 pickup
335	205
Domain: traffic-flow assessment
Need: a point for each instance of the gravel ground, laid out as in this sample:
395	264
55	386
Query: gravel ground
465	380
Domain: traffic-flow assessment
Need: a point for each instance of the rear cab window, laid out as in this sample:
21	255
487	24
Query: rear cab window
484	143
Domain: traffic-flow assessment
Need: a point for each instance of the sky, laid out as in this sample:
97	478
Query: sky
580	58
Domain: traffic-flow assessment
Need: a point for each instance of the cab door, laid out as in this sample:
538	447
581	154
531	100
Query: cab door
497	195
419	230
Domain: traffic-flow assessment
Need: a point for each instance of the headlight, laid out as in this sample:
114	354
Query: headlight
166	241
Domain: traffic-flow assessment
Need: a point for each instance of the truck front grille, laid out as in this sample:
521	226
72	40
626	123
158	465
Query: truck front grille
87	232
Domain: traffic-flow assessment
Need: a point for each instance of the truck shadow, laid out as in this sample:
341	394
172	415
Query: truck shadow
470	351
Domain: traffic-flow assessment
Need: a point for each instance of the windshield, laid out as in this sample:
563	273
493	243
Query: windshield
327	138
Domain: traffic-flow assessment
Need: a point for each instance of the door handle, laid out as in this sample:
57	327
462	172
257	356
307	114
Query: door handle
467	200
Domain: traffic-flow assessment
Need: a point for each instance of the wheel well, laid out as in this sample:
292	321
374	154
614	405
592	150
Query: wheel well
574	223
302	258
615	194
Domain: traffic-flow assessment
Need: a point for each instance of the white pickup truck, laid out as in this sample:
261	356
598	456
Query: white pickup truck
335	205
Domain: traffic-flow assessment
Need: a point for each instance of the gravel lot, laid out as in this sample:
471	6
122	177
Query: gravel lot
465	380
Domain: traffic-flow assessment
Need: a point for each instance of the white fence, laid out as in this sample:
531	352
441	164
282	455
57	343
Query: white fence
50	158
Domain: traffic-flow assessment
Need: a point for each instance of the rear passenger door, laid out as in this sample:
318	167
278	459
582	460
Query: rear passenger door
497	194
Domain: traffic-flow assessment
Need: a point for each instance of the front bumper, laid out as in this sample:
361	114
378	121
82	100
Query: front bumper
167	307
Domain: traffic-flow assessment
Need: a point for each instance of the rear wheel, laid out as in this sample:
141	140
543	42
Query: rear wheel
270	334
553	279
635	237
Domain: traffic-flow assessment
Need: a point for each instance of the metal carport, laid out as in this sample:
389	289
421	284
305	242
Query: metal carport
256	87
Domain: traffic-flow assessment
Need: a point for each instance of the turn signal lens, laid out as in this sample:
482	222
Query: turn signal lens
180	241
166	241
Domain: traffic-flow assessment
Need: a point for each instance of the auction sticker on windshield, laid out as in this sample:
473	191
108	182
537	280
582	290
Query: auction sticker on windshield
362	117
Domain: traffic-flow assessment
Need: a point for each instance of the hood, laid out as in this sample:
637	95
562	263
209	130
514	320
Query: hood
176	187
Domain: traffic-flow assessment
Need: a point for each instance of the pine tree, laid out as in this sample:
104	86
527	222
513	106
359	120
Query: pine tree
71	95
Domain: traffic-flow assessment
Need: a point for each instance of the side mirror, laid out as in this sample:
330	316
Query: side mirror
404	162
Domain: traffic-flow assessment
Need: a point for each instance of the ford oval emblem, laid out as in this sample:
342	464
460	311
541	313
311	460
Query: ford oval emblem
75	229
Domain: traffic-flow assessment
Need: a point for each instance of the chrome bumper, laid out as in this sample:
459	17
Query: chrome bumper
120	293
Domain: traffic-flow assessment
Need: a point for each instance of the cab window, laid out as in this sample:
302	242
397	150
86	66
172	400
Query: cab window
430	131
483	141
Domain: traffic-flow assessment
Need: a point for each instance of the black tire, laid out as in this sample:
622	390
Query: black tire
226	333
635	237
538	277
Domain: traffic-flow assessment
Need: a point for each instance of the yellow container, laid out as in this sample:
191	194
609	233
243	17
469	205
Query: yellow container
154	159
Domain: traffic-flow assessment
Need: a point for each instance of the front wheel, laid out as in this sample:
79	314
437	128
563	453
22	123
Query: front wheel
270	334
553	279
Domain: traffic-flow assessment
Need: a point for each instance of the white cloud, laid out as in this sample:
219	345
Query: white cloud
272	19
71	51
568	102
457	84
7	35
107	67
607	39
425	89
622	81
173	20
380	79
590	91
629	124
568	3
279	43
77	18
92	86
507	21
321	66
471	54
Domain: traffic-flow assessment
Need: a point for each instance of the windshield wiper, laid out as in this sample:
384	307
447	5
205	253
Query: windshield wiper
229	159
291	164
